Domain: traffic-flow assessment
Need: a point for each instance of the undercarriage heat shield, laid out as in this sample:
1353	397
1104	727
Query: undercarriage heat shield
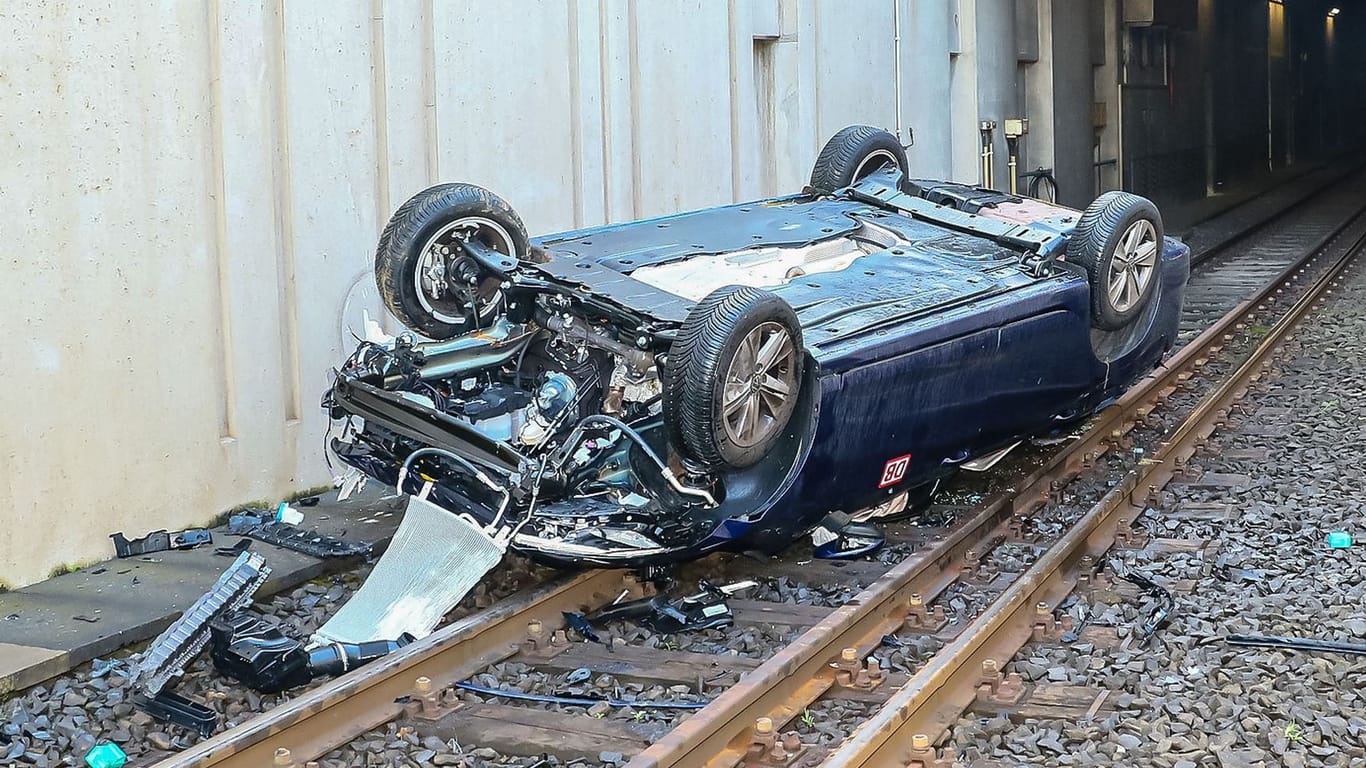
434	560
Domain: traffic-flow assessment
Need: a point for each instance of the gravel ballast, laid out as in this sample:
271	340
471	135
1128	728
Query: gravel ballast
1188	699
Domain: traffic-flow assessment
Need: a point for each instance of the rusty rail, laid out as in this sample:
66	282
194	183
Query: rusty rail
721	734
328	716
903	730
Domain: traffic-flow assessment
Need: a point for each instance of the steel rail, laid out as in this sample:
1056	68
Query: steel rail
800	673
332	714
928	704
328	716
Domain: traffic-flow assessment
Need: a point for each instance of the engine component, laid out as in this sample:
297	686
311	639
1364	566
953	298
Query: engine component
555	395
497	411
247	649
568	327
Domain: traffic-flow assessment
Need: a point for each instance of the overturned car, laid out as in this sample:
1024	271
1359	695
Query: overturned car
644	393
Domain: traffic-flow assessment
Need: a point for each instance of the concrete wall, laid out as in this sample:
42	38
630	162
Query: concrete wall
191	190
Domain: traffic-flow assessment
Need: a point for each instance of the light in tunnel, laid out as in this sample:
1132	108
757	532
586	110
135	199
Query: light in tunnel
1334	11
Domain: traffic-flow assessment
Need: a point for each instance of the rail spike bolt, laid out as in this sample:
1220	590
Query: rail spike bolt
922	754
921	618
767	748
283	758
1046	627
997	687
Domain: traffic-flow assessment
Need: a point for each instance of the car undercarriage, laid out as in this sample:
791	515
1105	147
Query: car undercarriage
639	394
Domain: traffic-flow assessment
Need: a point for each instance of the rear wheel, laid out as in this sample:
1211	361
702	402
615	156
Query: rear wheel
853	153
1119	242
425	275
733	377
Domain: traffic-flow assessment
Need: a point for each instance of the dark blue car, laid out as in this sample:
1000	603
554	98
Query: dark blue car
643	393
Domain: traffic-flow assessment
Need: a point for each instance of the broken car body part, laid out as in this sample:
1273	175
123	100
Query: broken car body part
259	655
433	561
175	647
840	537
261	525
707	609
1162	608
159	541
644	393
170	707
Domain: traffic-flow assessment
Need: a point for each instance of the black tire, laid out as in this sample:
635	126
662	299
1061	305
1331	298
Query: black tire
472	211
1099	236
853	153
701	358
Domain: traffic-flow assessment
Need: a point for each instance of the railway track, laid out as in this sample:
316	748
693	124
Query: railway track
1245	299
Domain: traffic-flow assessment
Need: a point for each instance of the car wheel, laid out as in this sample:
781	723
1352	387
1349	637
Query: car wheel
1119	242
855	152
733	376
424	276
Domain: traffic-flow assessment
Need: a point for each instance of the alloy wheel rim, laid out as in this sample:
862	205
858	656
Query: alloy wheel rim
1133	265
759	385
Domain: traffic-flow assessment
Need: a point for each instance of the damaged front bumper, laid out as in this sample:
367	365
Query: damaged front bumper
624	509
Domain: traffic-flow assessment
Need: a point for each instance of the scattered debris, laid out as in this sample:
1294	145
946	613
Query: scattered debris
839	537
86	619
247	649
1161	611
433	561
707	609
171	707
579	623
241	546
309	501
261	525
101	667
106	756
1296	644
1339	540
287	514
159	541
168	654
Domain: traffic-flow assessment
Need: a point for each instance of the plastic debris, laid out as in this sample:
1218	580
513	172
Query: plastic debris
579	623
106	756
173	708
247	649
1339	540
287	514
839	537
159	541
261	525
707	609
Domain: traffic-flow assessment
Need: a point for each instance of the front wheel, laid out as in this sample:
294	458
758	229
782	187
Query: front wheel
733	377
424	272
1118	241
